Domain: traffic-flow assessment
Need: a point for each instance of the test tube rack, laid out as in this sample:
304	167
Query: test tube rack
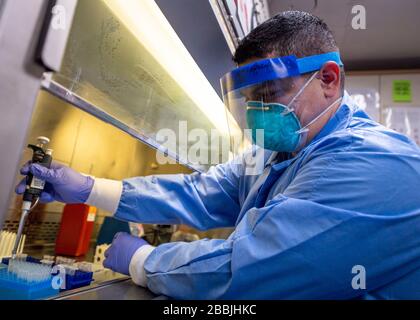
21	279
23	286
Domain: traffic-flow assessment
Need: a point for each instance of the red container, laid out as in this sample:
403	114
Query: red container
75	230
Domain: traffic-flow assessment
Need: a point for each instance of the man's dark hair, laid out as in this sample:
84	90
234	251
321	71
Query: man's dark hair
288	33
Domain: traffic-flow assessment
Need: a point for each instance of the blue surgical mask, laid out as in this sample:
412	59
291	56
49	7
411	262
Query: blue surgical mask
282	130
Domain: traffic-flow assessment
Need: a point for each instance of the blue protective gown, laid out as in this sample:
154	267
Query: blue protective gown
350	198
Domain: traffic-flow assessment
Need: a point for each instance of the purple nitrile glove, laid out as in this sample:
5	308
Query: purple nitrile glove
119	254
62	183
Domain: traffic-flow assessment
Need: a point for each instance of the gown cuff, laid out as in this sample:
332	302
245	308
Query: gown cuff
136	268
106	195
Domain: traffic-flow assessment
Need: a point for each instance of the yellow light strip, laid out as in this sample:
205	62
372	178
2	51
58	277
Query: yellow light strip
148	24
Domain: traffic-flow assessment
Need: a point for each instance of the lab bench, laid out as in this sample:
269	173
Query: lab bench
108	285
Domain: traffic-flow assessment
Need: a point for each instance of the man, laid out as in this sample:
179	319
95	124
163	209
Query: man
334	214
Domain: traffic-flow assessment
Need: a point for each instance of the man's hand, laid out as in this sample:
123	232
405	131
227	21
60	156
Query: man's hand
118	256
62	183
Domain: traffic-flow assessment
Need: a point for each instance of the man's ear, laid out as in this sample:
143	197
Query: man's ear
330	79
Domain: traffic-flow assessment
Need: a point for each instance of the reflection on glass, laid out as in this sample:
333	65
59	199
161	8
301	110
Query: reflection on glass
368	100
124	58
405	120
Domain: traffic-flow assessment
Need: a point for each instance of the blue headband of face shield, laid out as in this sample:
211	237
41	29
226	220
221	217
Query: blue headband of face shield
275	68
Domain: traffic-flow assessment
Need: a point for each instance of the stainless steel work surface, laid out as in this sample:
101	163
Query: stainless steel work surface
119	290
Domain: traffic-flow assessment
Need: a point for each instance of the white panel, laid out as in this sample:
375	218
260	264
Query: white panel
365	91
58	33
20	81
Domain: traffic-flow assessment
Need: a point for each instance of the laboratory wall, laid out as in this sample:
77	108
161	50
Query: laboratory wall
393	99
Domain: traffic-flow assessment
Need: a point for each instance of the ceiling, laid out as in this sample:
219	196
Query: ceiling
391	39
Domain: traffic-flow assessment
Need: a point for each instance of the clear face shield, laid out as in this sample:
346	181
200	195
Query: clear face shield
263	98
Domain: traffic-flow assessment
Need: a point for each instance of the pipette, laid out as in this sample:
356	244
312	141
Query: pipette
34	186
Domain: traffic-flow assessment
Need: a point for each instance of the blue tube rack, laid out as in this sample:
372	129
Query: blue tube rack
80	279
12	288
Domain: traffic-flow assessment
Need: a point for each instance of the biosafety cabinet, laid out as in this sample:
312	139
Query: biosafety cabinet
109	82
